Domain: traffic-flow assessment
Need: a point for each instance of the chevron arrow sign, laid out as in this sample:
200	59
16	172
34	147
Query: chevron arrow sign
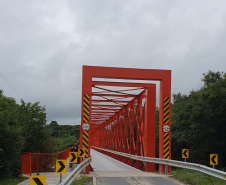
73	157
38	180
61	166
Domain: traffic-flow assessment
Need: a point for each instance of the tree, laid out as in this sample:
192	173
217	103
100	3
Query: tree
64	143
11	140
32	120
212	77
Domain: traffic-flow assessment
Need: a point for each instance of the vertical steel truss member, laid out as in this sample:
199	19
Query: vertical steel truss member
124	125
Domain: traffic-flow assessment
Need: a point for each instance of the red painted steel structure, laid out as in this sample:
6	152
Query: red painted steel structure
123	121
40	162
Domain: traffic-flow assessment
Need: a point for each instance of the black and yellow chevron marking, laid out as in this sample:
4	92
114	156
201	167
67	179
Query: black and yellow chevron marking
86	108
85	142
166	146
166	111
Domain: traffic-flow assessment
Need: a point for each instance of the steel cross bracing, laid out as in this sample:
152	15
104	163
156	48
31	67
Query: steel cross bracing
121	121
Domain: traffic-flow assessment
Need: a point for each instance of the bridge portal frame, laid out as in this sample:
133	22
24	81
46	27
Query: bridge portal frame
164	76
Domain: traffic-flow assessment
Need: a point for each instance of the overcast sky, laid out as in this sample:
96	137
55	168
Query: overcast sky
43	45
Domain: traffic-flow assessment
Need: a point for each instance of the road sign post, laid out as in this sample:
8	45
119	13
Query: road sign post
213	159
61	168
185	154
60	178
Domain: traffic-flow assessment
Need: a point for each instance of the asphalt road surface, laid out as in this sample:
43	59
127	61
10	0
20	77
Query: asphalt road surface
108	171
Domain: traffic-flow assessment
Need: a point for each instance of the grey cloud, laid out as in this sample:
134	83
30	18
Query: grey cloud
43	45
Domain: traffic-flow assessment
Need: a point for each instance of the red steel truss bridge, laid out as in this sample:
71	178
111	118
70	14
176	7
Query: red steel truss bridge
118	113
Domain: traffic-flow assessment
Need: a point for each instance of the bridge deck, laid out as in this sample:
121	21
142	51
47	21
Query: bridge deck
104	163
108	171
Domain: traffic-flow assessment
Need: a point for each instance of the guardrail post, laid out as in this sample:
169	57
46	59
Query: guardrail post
166	169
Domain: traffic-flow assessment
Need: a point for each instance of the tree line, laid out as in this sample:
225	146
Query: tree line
64	136
199	121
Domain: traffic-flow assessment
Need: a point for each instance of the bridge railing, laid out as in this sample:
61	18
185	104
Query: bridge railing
168	162
40	162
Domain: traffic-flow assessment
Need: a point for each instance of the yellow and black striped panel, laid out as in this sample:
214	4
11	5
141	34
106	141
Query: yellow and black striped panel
166	145
85	142
166	111
86	108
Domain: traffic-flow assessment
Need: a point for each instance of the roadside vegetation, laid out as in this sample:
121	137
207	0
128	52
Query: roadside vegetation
62	136
198	121
23	128
82	180
195	178
12	181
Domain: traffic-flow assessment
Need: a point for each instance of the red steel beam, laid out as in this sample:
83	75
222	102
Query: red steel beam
103	112
93	120
114	91
115	95
110	114
113	101
121	84
104	109
107	116
101	105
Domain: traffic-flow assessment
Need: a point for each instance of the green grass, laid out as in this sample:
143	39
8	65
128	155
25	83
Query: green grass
195	178
12	181
81	181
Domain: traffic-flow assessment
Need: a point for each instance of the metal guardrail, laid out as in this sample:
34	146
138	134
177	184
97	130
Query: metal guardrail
72	176
168	162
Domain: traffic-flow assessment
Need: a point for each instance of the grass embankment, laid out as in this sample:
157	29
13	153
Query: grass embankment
12	181
82	180
195	178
